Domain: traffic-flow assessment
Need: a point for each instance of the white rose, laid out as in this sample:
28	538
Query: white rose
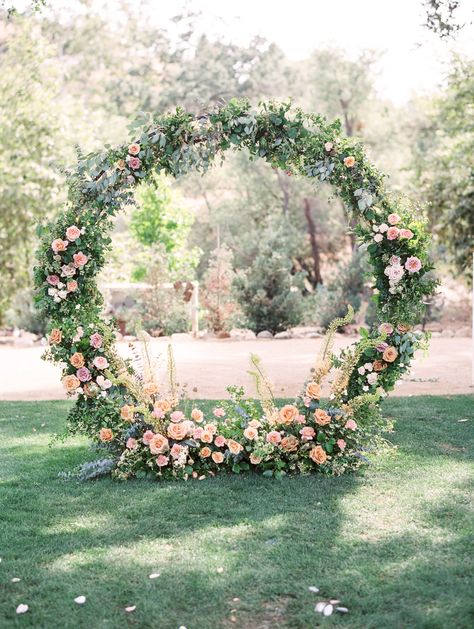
378	237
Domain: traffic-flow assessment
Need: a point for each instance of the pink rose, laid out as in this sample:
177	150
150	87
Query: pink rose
274	437
80	259
132	444
71	286
177	416
134	162
158	412
162	460
413	264
68	270
307	433
351	424
328	146
219	412
52	279
100	362
219	441
406	233
96	340
341	444
83	374
378	237
307	401
300	419
176	450
147	436
134	148
393	219
395	260
58	245
197	434
73	232
383	228
386	327
381	347
392	233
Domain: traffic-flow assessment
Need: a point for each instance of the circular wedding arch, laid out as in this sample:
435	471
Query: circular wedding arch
145	430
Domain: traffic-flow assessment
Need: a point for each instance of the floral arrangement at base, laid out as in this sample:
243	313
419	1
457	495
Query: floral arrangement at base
126	412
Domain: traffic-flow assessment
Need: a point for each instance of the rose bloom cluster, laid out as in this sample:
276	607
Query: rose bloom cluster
70	259
85	369
240	437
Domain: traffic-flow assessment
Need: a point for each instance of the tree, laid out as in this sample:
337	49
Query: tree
217	290
32	148
444	164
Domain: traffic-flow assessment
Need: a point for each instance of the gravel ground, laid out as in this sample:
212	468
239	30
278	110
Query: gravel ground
210	366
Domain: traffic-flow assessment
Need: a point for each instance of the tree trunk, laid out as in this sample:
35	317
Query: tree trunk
314	244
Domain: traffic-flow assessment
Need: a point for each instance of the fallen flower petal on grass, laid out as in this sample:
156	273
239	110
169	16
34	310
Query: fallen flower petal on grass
154	575
16	579
22	608
313	588
80	600
327	611
132	608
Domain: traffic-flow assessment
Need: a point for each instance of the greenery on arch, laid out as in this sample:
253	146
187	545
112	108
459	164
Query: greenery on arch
147	429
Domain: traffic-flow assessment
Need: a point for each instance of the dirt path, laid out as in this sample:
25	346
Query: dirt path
212	365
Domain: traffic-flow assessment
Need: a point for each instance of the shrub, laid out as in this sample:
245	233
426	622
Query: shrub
23	314
269	291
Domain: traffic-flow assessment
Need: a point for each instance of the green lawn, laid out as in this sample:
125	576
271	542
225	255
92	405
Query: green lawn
391	543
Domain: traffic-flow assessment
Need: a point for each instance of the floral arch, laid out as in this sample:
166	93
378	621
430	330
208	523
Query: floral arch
144	429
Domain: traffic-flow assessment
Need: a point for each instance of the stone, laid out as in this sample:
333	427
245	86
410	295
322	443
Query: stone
447	332
434	326
222	334
242	334
264	334
304	331
464	331
283	335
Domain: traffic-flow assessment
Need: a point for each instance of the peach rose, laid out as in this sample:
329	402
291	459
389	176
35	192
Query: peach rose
379	365
217	457
234	446
150	388
207	436
177	431
220	441
205	452
250	433
77	360
392	233
134	148
255	423
322	418
164	405
121	164
274	437
197	415
55	336
59	245
105	434
127	412
390	354
71	383
318	455
71	286
255	459
289	444
313	390
288	414
349	161
158	444
80	259
307	433
73	233
403	327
